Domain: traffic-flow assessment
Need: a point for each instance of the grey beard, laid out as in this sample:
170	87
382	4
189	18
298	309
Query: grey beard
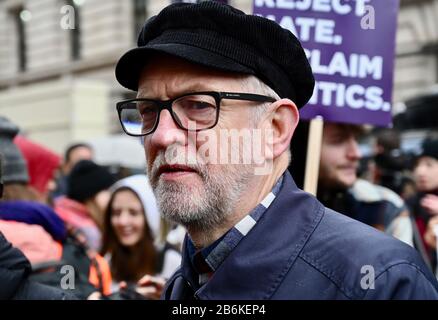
206	207
203	207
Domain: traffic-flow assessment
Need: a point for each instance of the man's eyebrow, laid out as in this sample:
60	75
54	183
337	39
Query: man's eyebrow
198	87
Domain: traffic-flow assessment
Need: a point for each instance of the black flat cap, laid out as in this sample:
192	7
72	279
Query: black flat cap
219	36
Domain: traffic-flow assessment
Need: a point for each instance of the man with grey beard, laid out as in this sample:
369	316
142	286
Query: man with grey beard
204	206
218	93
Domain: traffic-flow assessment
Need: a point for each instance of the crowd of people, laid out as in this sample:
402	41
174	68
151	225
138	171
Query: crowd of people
395	191
73	212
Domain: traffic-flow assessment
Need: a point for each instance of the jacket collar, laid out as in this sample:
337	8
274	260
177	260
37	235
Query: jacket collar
256	267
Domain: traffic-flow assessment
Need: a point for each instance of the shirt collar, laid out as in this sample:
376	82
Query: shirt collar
206	261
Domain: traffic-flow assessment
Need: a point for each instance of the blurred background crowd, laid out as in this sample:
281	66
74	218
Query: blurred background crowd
71	211
75	192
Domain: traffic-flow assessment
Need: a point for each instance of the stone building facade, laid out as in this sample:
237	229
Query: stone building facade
58	83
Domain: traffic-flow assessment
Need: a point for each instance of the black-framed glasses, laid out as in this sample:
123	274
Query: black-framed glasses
139	117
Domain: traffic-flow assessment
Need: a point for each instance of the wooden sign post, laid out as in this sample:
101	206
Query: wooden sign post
313	155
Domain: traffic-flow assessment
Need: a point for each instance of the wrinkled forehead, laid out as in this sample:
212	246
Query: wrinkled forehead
166	74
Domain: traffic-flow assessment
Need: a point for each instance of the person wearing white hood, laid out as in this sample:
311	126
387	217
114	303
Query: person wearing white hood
131	240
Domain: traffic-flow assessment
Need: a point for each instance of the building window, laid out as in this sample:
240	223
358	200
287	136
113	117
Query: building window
75	34
140	14
20	17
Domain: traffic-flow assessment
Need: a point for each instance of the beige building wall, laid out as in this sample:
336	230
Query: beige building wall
56	113
58	100
416	67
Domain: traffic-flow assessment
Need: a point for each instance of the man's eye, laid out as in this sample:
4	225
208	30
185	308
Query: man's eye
147	111
145	108
198	105
336	139
201	105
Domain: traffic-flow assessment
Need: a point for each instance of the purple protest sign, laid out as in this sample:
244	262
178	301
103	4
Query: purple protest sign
198	1
351	47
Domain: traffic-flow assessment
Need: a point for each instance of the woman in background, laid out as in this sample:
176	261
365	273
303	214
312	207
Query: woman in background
132	242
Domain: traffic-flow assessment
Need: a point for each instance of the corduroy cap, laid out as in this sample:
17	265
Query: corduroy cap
219	36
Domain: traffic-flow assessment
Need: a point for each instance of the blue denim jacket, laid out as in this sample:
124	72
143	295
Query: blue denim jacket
301	250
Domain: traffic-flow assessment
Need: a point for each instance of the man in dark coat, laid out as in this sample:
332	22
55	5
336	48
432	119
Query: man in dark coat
14	272
217	105
15	268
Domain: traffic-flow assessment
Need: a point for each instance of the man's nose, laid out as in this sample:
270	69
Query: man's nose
167	132
420	171
353	151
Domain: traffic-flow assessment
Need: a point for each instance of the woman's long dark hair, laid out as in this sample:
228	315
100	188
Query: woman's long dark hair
128	264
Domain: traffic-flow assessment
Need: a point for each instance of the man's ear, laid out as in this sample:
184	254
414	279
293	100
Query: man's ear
283	120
